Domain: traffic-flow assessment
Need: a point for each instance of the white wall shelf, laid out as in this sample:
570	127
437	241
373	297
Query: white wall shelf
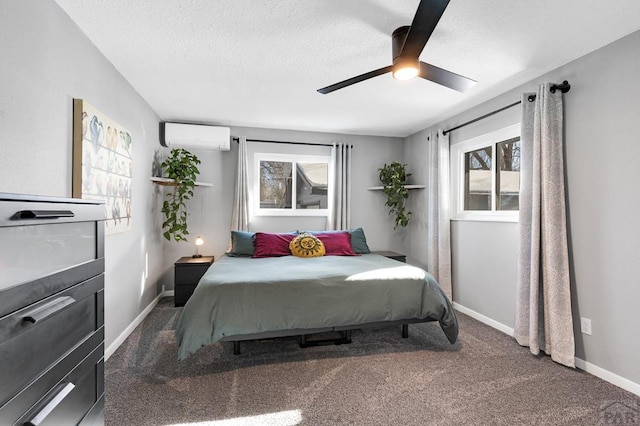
171	182
379	188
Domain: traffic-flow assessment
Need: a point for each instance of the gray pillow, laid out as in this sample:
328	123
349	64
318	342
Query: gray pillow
359	241
241	244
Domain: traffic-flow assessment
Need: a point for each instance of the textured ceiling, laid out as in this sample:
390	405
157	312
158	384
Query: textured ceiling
258	63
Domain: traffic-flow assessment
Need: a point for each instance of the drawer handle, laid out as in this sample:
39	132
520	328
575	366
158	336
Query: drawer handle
51	405
47	309
42	214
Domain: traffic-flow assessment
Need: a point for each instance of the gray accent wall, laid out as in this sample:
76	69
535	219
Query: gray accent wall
602	155
46	62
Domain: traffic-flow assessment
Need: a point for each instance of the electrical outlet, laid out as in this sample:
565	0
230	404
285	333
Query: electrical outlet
585	326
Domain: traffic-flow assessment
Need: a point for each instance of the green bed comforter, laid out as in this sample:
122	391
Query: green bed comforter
243	295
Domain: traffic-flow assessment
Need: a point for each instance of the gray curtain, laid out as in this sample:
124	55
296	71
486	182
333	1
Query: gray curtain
240	212
439	211
543	310
340	215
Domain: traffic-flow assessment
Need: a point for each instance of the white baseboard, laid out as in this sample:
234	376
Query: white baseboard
127	331
608	376
483	319
601	373
169	293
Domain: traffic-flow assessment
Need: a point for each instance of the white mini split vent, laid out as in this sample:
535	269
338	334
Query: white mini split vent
196	136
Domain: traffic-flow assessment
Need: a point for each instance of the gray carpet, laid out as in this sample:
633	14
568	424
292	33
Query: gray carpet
379	379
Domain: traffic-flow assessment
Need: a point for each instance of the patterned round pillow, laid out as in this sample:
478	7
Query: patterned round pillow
306	245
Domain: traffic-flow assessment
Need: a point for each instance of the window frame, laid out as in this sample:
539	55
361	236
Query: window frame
294	159
458	152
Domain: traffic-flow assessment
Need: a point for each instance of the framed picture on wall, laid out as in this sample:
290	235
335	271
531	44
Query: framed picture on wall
102	164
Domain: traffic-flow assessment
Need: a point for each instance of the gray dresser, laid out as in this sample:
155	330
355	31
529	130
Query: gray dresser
51	311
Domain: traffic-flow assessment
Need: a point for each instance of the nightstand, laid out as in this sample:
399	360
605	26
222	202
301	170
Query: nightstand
188	271
392	255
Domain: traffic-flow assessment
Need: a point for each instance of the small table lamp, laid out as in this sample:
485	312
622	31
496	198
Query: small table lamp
199	242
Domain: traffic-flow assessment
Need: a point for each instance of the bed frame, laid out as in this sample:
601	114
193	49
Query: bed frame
343	330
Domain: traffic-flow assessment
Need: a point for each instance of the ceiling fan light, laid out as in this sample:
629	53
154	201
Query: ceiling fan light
405	73
405	69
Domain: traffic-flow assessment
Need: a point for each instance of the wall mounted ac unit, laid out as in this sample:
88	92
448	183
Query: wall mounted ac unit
196	136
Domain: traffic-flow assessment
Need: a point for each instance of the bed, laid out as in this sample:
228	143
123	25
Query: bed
242	298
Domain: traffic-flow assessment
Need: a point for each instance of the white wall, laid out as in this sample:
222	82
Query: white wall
46	62
602	151
211	212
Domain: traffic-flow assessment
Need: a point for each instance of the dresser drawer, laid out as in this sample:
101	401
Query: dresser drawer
37	336
37	391
39	239
68	402
190	274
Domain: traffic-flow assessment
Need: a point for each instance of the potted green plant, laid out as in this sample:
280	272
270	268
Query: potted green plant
394	177
182	167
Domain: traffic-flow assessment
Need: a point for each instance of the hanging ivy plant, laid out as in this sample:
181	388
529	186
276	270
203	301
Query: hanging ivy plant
182	166
393	177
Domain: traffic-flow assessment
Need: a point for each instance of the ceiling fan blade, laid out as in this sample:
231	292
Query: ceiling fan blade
424	22
446	78
353	80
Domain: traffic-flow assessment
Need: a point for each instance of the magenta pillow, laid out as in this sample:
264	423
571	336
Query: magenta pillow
272	245
336	243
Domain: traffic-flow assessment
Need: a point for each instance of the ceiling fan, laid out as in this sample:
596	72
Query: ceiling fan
407	44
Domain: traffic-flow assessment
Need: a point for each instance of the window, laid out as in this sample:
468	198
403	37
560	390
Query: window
292	185
485	175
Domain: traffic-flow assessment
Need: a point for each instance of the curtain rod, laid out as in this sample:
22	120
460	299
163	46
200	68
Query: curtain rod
564	87
286	142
